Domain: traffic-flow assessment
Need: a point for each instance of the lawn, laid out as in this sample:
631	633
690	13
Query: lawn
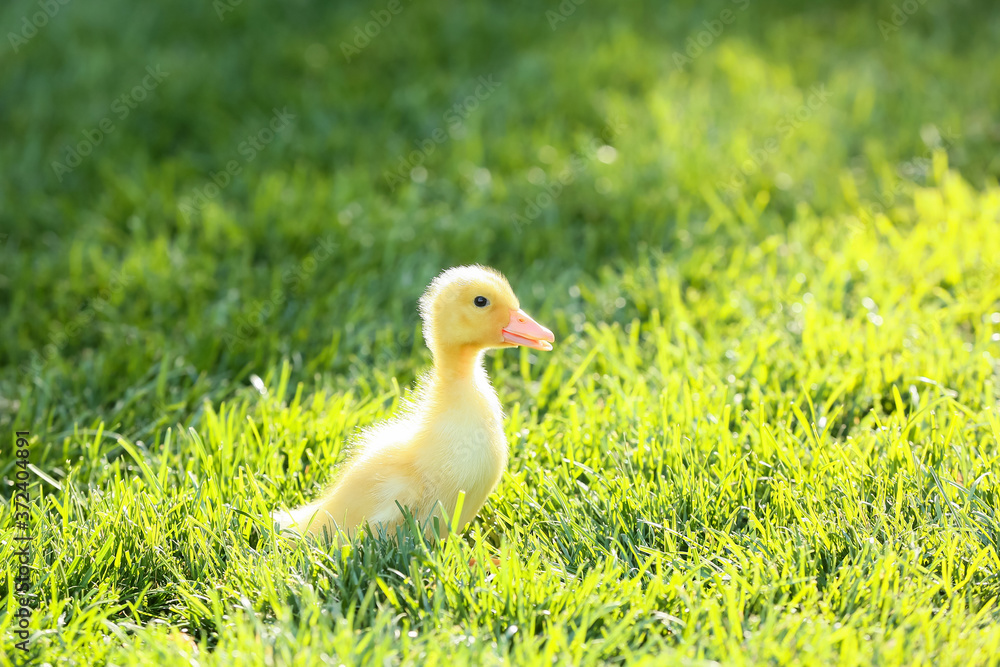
766	236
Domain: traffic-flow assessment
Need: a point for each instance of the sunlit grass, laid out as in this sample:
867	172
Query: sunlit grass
768	432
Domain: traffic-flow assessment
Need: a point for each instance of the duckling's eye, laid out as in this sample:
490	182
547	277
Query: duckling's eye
481	301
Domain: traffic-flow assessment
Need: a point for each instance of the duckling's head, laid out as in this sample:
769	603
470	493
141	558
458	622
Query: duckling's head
472	308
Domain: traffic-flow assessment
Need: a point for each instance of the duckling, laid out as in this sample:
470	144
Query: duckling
450	438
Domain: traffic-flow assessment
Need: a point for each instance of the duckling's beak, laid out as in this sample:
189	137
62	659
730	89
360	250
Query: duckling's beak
522	330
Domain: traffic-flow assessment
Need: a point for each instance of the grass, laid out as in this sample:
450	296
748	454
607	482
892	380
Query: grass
768	432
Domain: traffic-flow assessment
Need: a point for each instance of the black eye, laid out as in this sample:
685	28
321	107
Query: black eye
481	302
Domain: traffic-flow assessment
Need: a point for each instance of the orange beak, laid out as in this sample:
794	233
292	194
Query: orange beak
522	330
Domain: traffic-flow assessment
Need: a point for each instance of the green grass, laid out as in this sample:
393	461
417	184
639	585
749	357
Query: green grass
769	430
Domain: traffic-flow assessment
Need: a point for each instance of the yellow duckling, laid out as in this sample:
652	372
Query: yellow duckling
450	439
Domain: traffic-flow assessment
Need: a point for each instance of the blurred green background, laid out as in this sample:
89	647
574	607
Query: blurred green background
683	135
726	211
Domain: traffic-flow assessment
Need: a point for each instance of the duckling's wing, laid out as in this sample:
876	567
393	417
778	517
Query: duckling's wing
393	434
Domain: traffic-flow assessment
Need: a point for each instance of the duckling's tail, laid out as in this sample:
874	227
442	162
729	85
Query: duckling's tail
313	519
305	519
287	519
370	491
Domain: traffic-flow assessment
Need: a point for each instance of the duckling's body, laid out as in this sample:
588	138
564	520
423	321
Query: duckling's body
450	439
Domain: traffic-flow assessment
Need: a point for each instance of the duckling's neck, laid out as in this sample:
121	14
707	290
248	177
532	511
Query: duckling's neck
458	365
460	376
